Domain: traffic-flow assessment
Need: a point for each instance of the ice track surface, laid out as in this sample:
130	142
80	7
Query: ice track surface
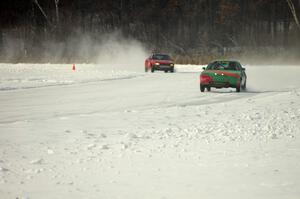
110	132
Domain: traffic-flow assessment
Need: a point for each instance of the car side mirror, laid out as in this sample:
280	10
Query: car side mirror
243	69
203	68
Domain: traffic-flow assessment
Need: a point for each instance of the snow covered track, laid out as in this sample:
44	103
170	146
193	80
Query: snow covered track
28	76
147	135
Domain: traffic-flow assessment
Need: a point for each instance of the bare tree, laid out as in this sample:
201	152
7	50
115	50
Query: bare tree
42	10
293	10
57	12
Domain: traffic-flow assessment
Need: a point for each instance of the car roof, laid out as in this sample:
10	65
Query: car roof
225	60
160	54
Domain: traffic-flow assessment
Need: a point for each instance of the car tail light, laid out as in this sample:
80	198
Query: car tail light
205	79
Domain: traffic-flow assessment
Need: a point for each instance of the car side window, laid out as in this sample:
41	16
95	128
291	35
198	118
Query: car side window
232	66
238	66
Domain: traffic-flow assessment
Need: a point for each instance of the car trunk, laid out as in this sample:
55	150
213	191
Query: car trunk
222	77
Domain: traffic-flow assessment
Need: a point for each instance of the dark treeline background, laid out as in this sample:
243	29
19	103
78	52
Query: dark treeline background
193	31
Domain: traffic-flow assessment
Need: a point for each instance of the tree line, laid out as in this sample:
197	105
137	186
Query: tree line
31	29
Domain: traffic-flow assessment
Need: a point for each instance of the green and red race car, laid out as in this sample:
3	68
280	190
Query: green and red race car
223	74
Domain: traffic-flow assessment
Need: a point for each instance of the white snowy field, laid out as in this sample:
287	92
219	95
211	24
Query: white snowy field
104	132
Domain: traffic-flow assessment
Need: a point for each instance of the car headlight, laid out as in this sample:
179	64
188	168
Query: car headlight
171	64
157	64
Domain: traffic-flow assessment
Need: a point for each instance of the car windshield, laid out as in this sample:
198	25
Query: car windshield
222	65
161	57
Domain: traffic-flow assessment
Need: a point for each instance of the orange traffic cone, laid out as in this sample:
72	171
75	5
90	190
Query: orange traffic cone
73	68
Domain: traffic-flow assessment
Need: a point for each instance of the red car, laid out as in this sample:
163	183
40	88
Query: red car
161	62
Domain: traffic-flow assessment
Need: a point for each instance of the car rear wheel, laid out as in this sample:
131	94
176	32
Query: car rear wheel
244	86
152	69
202	88
238	88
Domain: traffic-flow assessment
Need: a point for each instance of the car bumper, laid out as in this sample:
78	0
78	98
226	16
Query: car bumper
219	85
163	67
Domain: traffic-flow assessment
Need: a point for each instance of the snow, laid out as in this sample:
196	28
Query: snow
105	132
20	76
